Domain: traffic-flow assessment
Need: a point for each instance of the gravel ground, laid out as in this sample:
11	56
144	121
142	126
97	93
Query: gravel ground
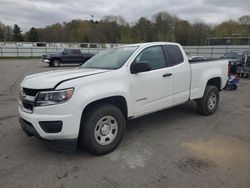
172	148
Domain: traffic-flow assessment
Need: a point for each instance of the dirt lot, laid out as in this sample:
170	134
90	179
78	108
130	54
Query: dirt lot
172	148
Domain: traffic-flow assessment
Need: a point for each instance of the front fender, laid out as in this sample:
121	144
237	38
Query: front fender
100	90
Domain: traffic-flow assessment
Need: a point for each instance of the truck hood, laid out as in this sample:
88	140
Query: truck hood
48	80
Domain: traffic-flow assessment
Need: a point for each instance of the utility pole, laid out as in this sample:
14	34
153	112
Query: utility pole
92	17
92	28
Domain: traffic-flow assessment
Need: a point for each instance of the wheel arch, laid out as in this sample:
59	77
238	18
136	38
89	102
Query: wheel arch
56	58
118	101
216	81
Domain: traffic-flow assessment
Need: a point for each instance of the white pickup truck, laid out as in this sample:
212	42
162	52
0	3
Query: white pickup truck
90	105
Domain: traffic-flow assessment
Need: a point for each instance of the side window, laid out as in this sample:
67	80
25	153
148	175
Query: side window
67	51
173	54
153	56
76	52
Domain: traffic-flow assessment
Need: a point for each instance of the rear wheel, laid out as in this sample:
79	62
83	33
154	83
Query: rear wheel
102	129
208	104
56	63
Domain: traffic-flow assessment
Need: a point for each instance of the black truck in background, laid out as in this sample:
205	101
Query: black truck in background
66	56
239	62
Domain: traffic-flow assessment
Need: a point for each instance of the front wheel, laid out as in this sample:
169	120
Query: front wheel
56	63
208	104
102	129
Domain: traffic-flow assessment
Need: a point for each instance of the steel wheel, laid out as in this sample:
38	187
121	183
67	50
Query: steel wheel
208	104
102	129
212	99
106	130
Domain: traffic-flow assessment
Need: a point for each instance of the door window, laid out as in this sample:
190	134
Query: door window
173	54
67	51
153	56
76	52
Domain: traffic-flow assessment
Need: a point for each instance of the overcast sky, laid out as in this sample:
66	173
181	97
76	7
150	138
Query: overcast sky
40	13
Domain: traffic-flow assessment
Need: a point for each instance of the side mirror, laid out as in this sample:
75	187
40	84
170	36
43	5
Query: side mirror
64	53
143	66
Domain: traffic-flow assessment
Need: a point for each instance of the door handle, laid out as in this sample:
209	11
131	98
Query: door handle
167	75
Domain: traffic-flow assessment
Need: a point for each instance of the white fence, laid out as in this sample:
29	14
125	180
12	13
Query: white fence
213	51
21	51
34	51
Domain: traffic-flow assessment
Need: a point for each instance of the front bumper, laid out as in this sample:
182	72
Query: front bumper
46	60
66	113
59	145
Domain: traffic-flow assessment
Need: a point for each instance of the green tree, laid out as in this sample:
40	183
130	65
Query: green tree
183	32
126	34
6	33
17	33
77	31
33	35
165	24
199	33
117	19
227	29
244	20
107	32
2	31
144	31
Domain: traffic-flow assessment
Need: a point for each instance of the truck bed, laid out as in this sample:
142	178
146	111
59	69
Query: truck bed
201	70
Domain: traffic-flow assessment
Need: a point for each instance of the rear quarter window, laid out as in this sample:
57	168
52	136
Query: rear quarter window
173	54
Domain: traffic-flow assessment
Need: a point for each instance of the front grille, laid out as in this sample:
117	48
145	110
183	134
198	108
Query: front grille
28	102
30	92
28	105
33	92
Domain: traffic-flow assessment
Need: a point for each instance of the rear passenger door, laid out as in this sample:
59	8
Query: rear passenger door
76	56
181	73
152	90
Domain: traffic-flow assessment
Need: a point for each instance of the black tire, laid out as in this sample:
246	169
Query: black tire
206	105
56	63
89	131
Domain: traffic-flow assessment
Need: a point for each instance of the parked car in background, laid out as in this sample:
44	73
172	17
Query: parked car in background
236	57
239	62
66	56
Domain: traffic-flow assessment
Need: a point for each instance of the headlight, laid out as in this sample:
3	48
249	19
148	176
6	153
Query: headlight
53	97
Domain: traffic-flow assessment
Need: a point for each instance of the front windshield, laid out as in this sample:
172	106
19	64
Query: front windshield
233	56
112	58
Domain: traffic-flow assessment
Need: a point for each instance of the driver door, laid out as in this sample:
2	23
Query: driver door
152	90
